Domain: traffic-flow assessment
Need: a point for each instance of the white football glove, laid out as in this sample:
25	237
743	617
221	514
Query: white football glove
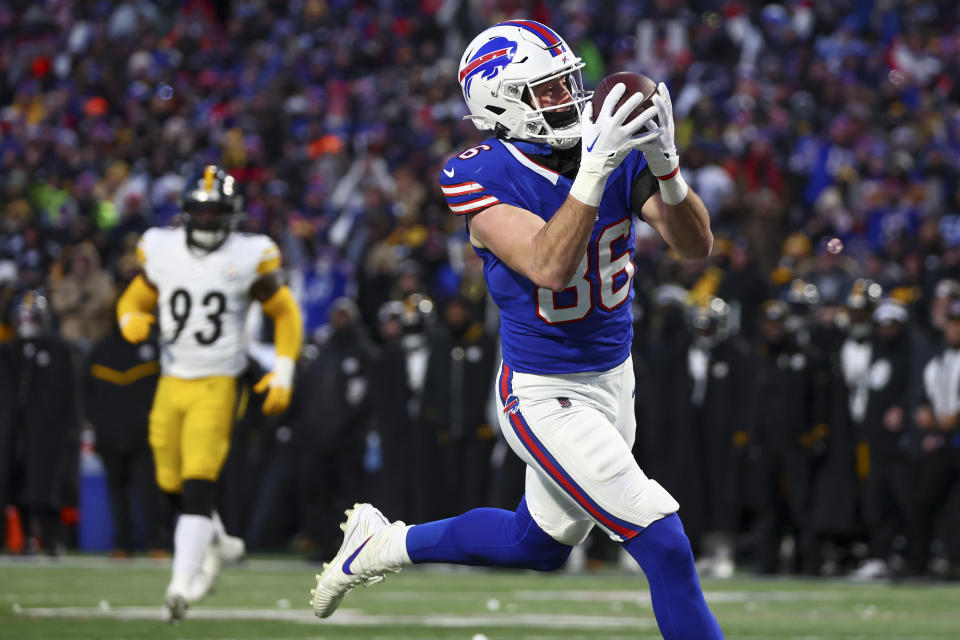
606	141
661	150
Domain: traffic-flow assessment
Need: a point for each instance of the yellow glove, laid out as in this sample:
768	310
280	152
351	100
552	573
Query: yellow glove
279	387
135	325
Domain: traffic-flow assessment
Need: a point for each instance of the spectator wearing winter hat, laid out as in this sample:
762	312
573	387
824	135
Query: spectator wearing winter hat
84	298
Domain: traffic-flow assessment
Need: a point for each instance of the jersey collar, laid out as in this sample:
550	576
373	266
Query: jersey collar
532	148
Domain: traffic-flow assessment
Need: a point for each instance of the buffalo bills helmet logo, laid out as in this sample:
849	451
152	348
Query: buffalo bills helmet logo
488	60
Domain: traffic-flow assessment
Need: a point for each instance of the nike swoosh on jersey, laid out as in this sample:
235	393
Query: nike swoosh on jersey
353	556
449	172
590	146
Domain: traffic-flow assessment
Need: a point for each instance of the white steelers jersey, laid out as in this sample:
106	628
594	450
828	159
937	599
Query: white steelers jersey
204	298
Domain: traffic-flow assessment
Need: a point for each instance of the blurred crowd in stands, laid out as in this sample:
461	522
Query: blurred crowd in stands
823	137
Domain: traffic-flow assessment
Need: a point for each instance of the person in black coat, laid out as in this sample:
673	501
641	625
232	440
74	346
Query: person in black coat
665	434
120	380
8	411
720	396
331	419
394	485
856	356
831	442
937	476
778	420
39	430
886	488
263	462
456	390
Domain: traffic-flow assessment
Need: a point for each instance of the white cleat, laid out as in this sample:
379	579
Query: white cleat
359	560
724	568
232	549
176	604
871	569
221	552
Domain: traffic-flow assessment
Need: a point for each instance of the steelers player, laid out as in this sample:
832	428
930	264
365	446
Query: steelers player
201	278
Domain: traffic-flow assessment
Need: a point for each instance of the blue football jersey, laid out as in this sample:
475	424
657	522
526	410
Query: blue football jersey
589	325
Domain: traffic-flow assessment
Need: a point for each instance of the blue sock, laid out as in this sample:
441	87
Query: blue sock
487	538
664	554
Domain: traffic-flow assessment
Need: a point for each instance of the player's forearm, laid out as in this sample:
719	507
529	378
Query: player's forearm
687	227
560	245
139	296
288	326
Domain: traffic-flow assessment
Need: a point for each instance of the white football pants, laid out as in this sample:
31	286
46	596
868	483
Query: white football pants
575	432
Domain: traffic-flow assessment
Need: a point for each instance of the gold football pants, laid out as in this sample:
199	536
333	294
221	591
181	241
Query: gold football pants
190	425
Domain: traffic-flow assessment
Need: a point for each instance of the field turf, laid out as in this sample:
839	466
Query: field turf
89	597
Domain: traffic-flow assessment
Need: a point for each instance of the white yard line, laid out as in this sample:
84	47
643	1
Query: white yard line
643	596
351	617
639	596
141	563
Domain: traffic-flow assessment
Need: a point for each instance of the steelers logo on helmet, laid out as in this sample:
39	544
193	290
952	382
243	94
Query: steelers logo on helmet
211	207
505	73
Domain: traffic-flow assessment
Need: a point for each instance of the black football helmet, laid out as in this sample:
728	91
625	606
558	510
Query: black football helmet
864	294
863	298
34	317
803	300
774	311
211	207
415	314
712	317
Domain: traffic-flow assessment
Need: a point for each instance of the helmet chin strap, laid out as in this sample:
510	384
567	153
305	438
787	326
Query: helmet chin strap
566	137
209	239
564	128
564	143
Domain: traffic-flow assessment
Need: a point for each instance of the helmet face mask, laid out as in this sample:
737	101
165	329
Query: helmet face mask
211	208
558	122
501	72
207	224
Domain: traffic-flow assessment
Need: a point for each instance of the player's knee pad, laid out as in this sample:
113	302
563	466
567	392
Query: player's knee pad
199	497
535	548
657	501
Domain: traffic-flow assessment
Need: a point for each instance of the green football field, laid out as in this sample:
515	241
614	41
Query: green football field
96	598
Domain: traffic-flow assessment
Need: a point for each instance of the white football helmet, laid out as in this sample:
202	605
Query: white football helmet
499	71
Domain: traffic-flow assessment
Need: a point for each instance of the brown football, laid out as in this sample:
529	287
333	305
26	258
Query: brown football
635	83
